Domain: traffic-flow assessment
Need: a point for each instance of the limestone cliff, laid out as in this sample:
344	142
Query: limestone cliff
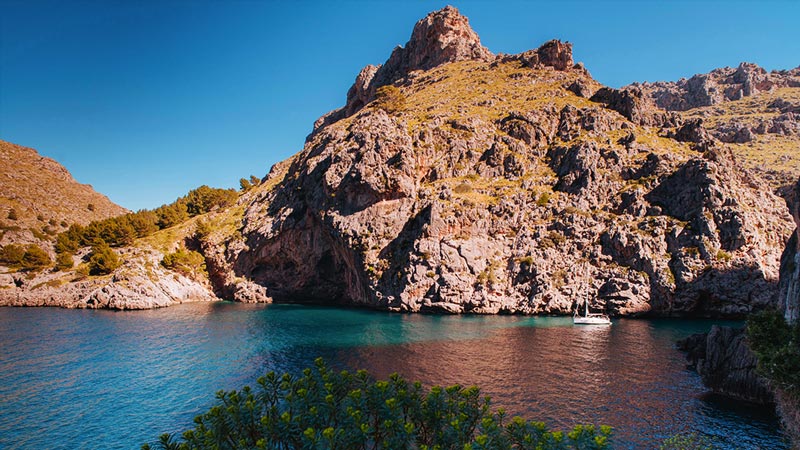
510	184
789	289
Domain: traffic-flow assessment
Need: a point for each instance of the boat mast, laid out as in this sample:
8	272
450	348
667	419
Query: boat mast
586	281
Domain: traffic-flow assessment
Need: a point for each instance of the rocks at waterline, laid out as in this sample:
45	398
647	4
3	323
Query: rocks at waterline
726	364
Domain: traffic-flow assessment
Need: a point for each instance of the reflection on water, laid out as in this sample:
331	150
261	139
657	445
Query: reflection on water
95	379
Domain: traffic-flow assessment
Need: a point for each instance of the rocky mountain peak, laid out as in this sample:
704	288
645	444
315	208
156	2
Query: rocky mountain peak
441	37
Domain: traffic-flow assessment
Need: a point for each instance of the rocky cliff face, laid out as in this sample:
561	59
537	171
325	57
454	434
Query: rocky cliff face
726	364
789	292
510	184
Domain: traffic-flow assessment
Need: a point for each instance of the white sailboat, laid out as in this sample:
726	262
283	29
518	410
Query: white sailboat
590	318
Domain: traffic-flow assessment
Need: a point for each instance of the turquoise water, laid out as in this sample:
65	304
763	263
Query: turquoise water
74	379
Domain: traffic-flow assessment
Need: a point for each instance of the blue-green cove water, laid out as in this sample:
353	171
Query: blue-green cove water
72	379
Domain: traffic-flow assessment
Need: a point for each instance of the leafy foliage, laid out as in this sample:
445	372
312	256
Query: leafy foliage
123	230
35	258
186	262
172	214
245	184
103	260
205	199
776	343
11	255
324	409
64	261
390	98
29	257
687	442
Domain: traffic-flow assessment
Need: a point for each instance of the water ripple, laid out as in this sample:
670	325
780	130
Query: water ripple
99	379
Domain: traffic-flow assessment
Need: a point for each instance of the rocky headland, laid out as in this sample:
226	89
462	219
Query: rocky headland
456	180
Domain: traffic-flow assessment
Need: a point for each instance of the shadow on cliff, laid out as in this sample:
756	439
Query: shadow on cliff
730	293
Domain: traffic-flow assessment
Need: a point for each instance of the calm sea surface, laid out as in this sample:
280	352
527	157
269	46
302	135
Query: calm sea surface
72	379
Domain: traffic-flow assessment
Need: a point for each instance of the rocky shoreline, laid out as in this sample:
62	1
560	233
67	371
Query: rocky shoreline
140	283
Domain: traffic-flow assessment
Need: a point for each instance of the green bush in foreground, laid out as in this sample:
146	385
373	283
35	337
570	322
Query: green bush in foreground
324	409
687	442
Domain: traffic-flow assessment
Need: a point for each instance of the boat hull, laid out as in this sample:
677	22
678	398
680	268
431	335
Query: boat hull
591	321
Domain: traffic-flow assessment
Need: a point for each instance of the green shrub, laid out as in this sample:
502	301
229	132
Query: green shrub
103	260
11	255
205	199
35	258
29	257
390	99
64	261
245	184
172	214
324	409
544	199
248	183
186	262
144	223
777	346
202	230
687	442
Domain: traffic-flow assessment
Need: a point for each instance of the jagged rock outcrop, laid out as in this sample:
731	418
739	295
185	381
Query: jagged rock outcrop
499	187
635	106
720	85
726	364
554	53
789	291
441	37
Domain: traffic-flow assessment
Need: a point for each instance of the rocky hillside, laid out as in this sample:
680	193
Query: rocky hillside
754	111
39	198
506	183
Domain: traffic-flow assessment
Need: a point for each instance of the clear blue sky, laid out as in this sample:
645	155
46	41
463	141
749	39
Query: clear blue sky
148	99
